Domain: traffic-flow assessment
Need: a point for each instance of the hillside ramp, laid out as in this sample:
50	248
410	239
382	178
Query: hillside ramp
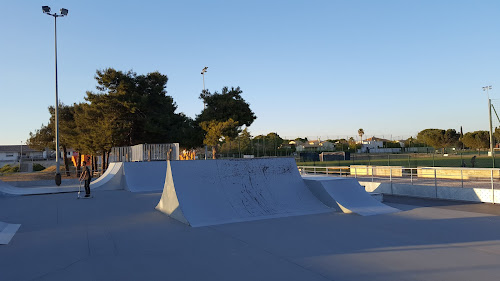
346	194
201	193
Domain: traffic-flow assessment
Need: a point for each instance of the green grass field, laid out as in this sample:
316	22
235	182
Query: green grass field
411	161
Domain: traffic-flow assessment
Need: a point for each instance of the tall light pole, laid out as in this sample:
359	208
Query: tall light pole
204	105
64	12
487	88
203	73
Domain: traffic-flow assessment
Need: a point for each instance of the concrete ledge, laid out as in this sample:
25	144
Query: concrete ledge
439	192
364	170
457	173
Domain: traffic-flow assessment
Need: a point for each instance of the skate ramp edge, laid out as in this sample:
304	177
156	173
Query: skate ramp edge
203	193
7	231
347	195
10	190
112	179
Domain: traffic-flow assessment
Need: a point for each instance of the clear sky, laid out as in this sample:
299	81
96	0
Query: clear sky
307	68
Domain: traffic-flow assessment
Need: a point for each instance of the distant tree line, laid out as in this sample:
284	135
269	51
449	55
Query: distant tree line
439	138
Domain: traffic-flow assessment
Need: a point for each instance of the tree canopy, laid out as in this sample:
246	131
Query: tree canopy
438	138
477	140
126	109
224	115
229	104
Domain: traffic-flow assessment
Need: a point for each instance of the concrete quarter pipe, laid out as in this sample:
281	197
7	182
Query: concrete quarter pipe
201	193
110	180
346	194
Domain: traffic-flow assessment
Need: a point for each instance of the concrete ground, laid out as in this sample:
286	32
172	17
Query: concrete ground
119	235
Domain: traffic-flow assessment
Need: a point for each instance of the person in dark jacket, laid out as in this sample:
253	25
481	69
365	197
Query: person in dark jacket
86	177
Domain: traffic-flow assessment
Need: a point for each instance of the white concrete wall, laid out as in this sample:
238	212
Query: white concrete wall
439	192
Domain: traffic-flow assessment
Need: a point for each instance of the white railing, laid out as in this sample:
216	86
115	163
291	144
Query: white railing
470	184
456	177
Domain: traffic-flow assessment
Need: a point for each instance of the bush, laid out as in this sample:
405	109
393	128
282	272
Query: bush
9	169
37	167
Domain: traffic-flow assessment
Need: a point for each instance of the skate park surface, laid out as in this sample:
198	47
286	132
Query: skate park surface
118	235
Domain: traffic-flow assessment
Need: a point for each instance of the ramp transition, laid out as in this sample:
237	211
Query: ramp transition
111	179
201	193
346	194
144	176
7	231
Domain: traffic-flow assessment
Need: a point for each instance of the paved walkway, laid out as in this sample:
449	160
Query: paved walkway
119	235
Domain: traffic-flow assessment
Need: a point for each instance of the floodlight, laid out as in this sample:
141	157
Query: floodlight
64	12
46	9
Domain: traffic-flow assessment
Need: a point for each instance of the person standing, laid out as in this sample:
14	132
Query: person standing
473	161
86	177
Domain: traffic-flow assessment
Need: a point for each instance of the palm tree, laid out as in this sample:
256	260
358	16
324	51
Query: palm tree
361	132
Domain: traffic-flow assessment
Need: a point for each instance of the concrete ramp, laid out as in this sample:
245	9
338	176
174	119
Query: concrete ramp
346	194
201	193
145	176
7	231
10	190
112	179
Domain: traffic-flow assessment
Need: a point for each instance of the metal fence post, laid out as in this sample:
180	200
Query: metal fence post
411	174
435	183
355	172
492	189
462	176
390	180
372	173
315	170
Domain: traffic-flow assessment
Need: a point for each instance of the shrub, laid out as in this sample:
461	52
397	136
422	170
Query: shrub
5	169
9	169
37	167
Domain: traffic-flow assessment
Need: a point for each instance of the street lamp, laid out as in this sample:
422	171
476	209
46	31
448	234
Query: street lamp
487	88
63	13
203	73
204	105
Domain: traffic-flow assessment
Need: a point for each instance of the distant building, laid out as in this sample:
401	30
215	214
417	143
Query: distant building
372	144
313	145
376	145
12	153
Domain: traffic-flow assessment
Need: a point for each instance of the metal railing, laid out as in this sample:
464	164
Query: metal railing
429	176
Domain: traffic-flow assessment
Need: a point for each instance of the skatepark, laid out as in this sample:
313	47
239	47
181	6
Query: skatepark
239	220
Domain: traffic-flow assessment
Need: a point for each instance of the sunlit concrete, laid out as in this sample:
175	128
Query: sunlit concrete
118	235
201	193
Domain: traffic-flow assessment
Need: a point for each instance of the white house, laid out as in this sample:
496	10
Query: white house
11	153
372	144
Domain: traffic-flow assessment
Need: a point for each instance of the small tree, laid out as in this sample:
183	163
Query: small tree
217	132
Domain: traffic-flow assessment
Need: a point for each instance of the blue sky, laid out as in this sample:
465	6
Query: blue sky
307	68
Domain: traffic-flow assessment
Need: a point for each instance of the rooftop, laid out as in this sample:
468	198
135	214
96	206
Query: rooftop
15	148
